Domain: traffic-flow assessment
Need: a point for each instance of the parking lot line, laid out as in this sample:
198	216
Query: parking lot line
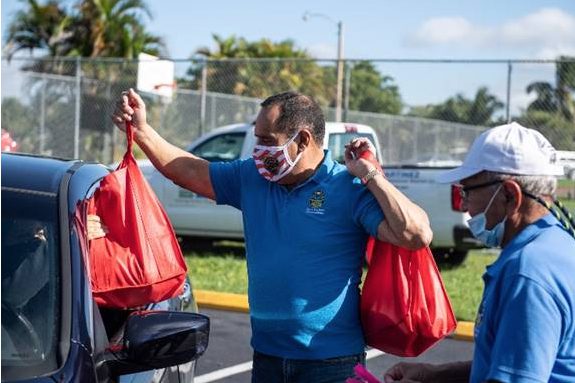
224	373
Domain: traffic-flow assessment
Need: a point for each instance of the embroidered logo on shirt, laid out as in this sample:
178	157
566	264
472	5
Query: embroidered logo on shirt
315	203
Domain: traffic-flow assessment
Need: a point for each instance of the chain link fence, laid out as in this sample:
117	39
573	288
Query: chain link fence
425	111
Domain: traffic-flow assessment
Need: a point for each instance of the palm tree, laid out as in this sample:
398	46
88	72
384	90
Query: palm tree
114	28
478	111
545	100
559	98
38	27
230	47
483	107
258	78
565	79
98	28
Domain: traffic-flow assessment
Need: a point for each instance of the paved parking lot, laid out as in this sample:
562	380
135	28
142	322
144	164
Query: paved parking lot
229	355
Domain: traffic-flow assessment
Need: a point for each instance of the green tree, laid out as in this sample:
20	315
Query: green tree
565	79
558	130
558	98
546	100
240	67
370	91
19	120
114	28
553	110
40	26
90	28
94	28
480	110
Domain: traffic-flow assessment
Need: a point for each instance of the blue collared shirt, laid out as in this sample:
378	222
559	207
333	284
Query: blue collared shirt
525	327
305	249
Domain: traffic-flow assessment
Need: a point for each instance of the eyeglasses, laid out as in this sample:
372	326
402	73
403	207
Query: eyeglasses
464	190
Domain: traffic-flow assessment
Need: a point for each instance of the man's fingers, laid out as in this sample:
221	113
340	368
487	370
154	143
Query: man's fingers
135	99
95	228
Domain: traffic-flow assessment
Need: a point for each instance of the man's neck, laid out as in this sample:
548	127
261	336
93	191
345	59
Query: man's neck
525	217
308	165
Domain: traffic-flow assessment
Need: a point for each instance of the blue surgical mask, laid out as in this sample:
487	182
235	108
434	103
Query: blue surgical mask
493	237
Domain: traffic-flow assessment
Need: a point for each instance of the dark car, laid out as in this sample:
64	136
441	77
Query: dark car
52	330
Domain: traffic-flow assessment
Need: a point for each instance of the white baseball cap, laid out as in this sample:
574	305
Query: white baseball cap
510	149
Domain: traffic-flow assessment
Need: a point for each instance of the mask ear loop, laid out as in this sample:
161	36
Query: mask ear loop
492	198
567	220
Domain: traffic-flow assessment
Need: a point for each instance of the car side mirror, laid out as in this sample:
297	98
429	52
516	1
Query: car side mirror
157	339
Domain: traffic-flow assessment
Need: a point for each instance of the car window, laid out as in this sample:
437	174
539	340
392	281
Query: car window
30	283
337	142
225	147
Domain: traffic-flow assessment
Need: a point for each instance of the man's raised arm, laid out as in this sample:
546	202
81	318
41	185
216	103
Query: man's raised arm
183	168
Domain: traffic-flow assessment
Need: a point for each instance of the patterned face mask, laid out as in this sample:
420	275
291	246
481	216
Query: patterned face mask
273	162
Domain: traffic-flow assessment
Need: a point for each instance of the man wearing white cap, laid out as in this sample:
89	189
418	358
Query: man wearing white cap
525	326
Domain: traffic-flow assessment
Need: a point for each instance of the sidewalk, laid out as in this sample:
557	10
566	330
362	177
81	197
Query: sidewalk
239	303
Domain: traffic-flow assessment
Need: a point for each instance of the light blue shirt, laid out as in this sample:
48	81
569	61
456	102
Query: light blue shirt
305	249
525	327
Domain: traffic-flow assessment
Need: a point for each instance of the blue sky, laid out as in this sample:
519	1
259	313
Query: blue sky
438	29
372	29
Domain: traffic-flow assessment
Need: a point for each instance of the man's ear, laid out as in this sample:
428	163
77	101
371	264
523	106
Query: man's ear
305	139
513	195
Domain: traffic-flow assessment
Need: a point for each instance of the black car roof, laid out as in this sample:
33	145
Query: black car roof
33	172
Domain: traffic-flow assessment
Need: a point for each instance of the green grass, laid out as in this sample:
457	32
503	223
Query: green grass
218	272
464	284
226	272
569	204
566	183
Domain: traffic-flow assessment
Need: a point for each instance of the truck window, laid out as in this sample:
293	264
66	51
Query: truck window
337	142
225	147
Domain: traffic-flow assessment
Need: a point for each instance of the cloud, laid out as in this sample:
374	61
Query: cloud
446	30
546	33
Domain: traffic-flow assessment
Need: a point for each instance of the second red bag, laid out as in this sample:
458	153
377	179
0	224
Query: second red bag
404	306
139	260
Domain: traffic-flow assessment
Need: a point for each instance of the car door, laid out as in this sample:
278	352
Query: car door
192	214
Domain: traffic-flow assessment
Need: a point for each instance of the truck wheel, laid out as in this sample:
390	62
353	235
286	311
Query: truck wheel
451	257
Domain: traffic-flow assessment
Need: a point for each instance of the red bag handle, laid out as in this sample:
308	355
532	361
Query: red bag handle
129	136
128	156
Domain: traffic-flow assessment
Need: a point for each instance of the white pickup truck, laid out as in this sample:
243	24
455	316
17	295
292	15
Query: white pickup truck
192	215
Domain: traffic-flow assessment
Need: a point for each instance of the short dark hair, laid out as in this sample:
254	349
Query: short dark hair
296	111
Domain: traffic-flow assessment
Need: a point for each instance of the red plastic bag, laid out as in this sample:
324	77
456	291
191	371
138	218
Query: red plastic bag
404	306
139	260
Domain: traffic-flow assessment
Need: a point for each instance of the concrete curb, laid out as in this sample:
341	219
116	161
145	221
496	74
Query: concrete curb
239	303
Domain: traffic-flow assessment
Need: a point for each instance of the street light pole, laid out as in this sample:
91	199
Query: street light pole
339	92
339	88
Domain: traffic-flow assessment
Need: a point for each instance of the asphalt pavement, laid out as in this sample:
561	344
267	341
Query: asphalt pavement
228	357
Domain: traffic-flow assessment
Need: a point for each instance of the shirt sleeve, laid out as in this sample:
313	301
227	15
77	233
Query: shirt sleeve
528	333
226	182
366	211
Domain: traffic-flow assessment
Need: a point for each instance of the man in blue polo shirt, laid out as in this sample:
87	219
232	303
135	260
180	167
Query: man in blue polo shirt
525	326
306	221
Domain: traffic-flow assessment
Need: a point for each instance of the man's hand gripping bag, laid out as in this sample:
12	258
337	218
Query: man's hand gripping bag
139	260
